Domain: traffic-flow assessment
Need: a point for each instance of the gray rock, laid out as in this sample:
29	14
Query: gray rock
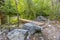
32	28
3	35
41	18
17	34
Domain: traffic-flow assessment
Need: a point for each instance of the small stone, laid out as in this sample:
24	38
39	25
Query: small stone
54	36
49	25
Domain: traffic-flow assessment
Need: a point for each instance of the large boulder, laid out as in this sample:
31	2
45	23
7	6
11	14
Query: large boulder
32	28
17	34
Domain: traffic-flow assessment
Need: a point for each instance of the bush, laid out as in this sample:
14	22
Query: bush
13	20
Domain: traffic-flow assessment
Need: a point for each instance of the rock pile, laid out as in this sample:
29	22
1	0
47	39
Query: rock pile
28	30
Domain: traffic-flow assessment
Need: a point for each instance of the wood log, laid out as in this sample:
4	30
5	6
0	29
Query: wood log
27	21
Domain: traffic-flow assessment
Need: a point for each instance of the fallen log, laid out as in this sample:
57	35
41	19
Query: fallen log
27	21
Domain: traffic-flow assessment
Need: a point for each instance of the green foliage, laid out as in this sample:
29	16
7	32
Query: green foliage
8	8
13	20
30	9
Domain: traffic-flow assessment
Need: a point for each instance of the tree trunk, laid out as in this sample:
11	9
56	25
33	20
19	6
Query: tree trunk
55	2
18	19
3	20
0	21
16	2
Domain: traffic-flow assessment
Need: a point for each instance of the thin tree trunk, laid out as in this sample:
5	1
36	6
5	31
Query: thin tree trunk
8	19
18	19
17	11
0	21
